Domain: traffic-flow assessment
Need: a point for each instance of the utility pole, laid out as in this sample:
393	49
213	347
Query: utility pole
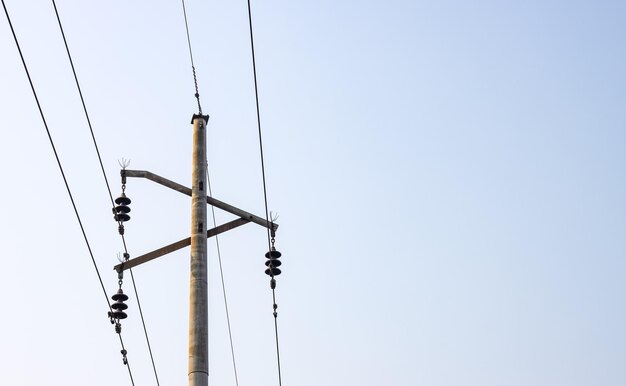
198	364
198	300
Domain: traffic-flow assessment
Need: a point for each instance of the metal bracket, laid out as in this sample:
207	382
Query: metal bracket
244	218
210	200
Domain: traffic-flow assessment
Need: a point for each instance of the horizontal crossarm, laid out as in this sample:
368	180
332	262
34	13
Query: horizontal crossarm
210	200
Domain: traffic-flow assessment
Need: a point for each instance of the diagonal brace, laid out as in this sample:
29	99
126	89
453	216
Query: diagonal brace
177	245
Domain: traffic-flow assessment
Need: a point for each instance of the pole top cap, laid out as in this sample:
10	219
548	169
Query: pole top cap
204	117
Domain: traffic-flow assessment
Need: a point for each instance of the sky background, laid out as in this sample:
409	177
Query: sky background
449	177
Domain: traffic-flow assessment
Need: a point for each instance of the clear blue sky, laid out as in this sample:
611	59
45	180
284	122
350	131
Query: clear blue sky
449	177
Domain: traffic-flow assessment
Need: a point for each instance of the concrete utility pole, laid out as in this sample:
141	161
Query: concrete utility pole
198	370
198	300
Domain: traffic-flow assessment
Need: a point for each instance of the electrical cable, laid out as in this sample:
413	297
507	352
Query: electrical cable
219	259
267	217
106	182
67	187
193	68
145	331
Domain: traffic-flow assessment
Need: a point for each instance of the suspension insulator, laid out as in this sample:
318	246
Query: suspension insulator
119	306
122	200
272	262
123	217
120	296
119	314
273	254
273	271
121	210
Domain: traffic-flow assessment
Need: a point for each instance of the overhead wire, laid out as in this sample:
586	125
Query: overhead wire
219	259
67	187
267	217
95	143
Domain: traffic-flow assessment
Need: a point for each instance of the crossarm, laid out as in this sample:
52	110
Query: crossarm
210	200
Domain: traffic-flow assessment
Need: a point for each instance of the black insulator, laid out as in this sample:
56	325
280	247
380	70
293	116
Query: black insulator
123	217
120	296
122	200
119	306
119	314
274	262
272	271
122	209
273	254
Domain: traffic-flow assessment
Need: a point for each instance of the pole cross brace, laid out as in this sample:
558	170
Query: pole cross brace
244	218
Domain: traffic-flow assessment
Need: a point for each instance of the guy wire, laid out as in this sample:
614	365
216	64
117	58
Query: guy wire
193	68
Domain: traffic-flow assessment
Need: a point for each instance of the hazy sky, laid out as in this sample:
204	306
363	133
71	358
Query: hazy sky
449	177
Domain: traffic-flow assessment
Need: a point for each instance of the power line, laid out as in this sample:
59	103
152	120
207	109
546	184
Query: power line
80	92
67	187
267	217
106	182
219	259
